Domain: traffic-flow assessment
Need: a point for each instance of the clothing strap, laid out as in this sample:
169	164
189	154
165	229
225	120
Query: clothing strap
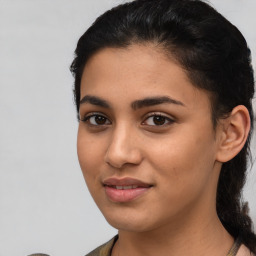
234	249
38	254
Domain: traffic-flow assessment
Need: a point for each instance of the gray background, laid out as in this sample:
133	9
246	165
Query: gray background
44	203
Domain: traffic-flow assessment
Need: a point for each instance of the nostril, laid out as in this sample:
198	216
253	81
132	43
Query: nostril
119	159
123	148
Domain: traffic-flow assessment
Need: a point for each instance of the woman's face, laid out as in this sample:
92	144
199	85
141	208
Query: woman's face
146	143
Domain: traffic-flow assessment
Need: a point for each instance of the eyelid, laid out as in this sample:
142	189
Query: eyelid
170	119
87	116
152	114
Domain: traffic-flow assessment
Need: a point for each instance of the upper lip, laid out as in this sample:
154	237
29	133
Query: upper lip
125	182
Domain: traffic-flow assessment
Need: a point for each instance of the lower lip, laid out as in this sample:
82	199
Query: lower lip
124	195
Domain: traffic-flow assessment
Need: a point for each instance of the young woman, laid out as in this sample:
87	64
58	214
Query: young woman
163	90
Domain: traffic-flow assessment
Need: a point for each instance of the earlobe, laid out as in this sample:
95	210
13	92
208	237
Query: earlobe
233	133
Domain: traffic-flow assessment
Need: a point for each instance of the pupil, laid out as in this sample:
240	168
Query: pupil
100	119
159	120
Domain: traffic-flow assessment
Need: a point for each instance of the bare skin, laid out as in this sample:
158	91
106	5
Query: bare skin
166	144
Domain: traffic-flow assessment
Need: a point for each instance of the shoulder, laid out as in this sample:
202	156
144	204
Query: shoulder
104	249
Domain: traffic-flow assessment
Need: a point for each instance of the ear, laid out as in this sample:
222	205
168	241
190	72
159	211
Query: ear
232	133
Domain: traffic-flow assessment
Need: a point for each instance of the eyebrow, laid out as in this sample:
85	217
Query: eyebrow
152	101
137	104
94	101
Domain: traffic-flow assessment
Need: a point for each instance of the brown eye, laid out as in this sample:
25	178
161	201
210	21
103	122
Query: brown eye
158	120
96	120
100	120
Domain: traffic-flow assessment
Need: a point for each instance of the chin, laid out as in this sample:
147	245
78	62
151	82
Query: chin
130	222
128	226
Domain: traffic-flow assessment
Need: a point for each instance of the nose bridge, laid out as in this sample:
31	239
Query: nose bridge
123	147
121	136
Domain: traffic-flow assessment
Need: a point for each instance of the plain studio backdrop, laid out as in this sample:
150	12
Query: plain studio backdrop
44	203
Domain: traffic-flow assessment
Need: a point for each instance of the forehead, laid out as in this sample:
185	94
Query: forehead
138	71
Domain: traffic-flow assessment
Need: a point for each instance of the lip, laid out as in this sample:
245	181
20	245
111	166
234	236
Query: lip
131	189
125	182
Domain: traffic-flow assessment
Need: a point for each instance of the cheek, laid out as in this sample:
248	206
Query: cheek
89	154
183	158
183	174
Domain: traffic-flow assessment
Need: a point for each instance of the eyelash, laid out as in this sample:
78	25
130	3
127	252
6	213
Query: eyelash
167	120
86	119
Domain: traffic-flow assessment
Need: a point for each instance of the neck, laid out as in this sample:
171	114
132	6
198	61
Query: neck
205	238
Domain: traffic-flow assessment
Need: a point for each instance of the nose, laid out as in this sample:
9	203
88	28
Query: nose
123	149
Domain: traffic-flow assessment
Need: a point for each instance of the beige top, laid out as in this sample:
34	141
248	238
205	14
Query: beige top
244	251
105	249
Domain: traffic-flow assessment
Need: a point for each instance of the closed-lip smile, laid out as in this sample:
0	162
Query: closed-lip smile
124	189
